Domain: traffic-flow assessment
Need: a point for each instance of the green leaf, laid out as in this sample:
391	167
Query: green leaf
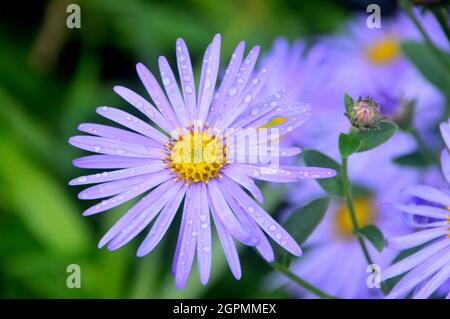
372	138
318	159
413	159
348	144
42	203
374	235
301	224
348	102
432	68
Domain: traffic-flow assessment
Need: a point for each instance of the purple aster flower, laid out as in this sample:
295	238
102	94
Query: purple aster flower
334	249
180	153
333	260
427	270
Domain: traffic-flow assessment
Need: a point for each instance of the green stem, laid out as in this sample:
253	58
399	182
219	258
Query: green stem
349	198
407	7
302	282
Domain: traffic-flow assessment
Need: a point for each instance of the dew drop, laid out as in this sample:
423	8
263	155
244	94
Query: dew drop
97	148
251	209
232	91
207	84
166	81
82	179
254	111
248	98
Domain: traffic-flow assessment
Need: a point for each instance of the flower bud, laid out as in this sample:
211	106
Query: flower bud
364	114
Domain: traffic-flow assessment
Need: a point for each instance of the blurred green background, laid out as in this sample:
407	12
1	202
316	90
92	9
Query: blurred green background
52	78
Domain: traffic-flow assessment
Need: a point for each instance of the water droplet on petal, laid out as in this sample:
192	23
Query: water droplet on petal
254	111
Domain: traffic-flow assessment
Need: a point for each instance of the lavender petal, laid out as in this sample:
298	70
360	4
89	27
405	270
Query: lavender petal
161	224
132	122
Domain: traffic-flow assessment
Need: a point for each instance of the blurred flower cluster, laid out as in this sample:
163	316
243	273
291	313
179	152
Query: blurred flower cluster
362	110
368	63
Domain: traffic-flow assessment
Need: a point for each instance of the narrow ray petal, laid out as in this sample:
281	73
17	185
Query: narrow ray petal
445	164
188	240
417	238
132	122
121	198
141	220
434	283
117	134
187	78
107	146
285	174
412	261
144	106
248	183
111	161
227	81
204	246
118	174
230	221
419	274
429	193
173	91
423	210
262	218
112	188
162	224
228	246
263	246
128	217
208	77
158	97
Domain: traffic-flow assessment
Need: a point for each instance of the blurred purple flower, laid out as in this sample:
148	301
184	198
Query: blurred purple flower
429	268
324	72
369	62
147	161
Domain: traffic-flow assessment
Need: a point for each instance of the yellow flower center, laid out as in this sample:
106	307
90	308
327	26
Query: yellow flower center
197	156
383	51
364	215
